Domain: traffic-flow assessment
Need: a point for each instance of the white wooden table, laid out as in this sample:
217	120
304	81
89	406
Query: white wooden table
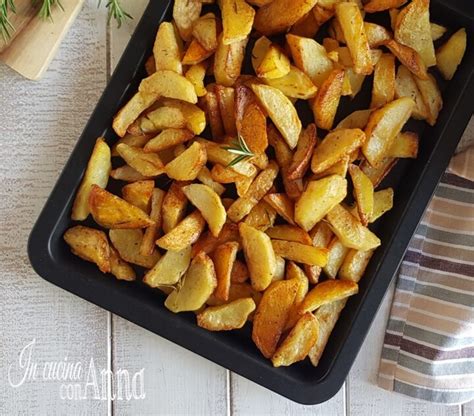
40	123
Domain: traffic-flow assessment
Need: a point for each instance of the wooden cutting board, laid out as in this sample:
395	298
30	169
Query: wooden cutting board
35	41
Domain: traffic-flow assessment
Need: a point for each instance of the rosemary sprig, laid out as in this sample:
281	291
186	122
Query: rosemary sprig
5	26
116	11
239	148
114	7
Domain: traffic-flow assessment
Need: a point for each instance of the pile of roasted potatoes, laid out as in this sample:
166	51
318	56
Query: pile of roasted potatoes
236	210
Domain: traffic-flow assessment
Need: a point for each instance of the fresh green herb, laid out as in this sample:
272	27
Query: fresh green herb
46	7
116	11
5	26
239	148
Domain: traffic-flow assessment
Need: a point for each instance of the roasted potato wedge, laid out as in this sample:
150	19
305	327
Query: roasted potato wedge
383	89
350	231
209	204
339	168
169	84
89	244
363	194
127	173
321	235
110	211
432	98
450	54
195	74
376	34
301	253
195	54
262	216
259	255
334	147
383	127
97	173
336	254
139	194
168	138
413	29
158	119
205	31
237	20
239	273
437	31
274	64
185	233
279	15
294	272
349	16
356	120
120	268
282	205
226	101
376	175
205	177
310	57
327	292
131	111
224	258
127	243
185	14
208	243
272	314
408	57
228	61
188	164
304	151
232	315
318	199
354	265
405	146
147	245
197	285
405	86
281	111
295	84
147	164
373	6
289	233
383	202
169	269
168	49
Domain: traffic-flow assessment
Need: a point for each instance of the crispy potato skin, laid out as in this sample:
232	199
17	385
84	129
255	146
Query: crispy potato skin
327	99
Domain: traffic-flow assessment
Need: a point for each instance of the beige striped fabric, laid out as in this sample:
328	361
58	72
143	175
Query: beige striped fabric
428	350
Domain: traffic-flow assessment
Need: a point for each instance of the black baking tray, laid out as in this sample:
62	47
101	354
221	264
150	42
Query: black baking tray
414	182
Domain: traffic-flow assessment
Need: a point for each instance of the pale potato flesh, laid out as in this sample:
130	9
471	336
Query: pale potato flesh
450	54
232	315
127	243
169	268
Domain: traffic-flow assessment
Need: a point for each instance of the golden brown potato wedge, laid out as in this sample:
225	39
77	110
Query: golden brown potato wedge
307	26
158	119
432	98
205	31
197	285
272	314
303	153
289	233
120	268
127	243
110	211
259	187
209	204
376	175
310	57
131	140
373	6
237	291
167	49
166	139
147	245
282	205
296	346
339	168
318	199
349	16
437	31
97	173
195	54
89	244
147	164
232	315
208	243
127	174
214	115
295	84
326	102
336	254
383	202
408	57
184	234
139	194
405	146
383	89
327	292
279	15
356	120
188	164
354	265
350	231
405	86
383	127
294	272
239	273
281	111
450	54
228	61
327	316
237	20
262	216
334	147
413	29
169	84
169	269
250	119
224	258
131	111
376	34
226	101
174	206
195	74
185	14
259	255
301	253
205	177
322	236
274	64
363	193
195	118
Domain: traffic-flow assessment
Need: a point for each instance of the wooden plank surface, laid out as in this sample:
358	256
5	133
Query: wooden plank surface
40	123
178	382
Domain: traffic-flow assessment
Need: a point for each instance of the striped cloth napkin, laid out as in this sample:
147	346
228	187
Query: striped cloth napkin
428	350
